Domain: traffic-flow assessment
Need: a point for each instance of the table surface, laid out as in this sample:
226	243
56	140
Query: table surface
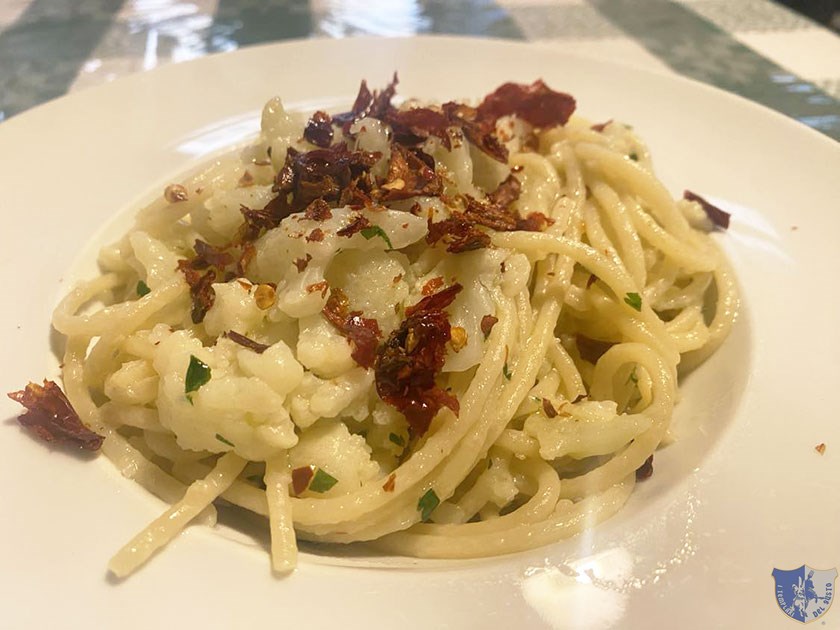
755	48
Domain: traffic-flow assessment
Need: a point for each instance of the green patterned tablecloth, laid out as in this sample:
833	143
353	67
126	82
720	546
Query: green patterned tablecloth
755	48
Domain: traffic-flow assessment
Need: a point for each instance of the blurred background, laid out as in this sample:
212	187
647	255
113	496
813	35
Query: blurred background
786	57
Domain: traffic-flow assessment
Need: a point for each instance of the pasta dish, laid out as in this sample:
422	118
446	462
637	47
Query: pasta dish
453	330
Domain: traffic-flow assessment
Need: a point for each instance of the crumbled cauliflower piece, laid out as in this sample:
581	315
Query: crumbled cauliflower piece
277	367
233	309
322	349
229	409
318	398
373	282
330	446
224	209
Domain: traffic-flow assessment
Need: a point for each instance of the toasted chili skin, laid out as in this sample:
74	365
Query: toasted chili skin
319	129
408	363
362	333
246	342
487	323
301	478
52	418
536	103
645	470
717	216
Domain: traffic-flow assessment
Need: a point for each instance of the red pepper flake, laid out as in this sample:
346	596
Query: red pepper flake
391	483
359	223
580	397
318	210
301	477
246	342
315	236
397	278
302	263
645	470
599	127
820	448
319	129
458	234
246	180
318	286
52	418
362	333
592	279
717	216
487	323
548	408
408	363
432	286
411	173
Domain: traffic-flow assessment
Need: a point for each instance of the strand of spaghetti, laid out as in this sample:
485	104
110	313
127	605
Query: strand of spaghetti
164	528
538	508
633	456
685	255
568	522
627	240
726	310
122	318
283	546
614	277
620	169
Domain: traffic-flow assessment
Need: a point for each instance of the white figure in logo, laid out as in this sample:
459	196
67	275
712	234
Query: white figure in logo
799	600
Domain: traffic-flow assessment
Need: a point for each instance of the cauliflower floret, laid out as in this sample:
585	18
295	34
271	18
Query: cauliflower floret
373	282
276	366
233	309
300	293
322	349
330	446
228	412
224	209
317	398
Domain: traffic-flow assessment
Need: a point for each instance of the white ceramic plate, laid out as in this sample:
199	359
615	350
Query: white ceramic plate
742	491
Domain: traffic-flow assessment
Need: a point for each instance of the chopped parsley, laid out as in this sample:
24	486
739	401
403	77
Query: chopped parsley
506	371
634	301
198	374
322	481
634	156
427	504
397	439
224	440
374	230
143	289
633	378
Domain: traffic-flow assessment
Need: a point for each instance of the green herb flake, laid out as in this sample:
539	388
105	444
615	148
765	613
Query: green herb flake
143	289
634	301
374	230
198	374
427	504
322	481
634	156
224	440
397	439
506	371
633	378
